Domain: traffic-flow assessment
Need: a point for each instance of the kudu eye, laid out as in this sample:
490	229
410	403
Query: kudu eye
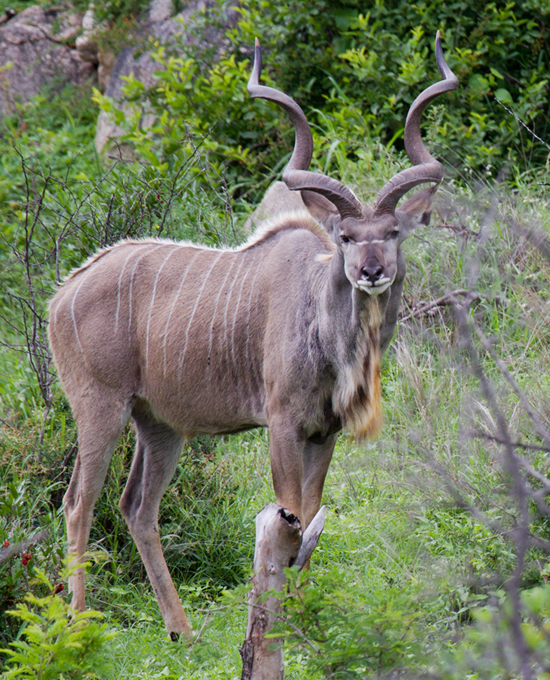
344	238
394	233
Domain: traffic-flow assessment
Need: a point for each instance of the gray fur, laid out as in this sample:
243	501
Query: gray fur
189	340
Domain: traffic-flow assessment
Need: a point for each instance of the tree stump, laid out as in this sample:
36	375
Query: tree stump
279	544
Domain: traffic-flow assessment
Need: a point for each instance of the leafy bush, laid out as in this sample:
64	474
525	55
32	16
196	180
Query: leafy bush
355	72
493	650
30	544
59	641
345	630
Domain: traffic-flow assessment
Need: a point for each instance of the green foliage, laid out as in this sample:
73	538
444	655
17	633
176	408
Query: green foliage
444	532
491	649
30	535
356	73
60	643
336	626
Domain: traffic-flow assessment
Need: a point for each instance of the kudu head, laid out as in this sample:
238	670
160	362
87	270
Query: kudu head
368	237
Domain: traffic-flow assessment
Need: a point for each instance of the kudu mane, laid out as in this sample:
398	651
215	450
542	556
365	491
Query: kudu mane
266	229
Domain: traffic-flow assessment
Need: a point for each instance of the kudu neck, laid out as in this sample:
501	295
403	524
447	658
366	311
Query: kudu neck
358	307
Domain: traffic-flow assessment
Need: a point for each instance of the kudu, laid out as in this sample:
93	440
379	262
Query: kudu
283	332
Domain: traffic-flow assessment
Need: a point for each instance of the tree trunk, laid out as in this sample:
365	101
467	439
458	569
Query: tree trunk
279	544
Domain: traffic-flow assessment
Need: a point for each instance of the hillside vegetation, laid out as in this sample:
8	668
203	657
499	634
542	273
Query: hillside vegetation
434	561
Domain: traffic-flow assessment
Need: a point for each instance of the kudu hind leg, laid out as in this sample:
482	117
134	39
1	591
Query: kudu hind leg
99	428
157	454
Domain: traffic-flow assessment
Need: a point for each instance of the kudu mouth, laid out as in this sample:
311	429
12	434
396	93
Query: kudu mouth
375	288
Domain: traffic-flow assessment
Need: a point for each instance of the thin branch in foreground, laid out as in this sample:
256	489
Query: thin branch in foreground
444	300
15	548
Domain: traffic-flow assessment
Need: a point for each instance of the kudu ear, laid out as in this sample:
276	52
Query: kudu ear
320	208
416	212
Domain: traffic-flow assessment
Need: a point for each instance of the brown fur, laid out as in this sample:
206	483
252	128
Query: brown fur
187	339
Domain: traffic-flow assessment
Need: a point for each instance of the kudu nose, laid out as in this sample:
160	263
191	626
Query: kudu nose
372	272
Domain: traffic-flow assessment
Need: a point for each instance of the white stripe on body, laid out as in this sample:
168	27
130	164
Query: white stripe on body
149	252
224	325
235	315
193	312
63	294
222	287
133	252
247	345
84	278
174	306
174	250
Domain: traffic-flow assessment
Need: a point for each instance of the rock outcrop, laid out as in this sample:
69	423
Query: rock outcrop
163	27
41	47
37	48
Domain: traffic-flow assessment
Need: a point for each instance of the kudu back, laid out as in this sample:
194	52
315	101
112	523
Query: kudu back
284	332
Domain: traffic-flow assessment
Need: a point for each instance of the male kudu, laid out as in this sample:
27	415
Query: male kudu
283	332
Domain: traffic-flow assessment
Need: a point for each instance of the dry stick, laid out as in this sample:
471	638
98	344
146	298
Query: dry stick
446	299
279	544
198	636
70	454
9	551
517	445
295	628
518	485
518	120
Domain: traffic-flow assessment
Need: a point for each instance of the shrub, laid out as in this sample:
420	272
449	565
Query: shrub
358	71
59	641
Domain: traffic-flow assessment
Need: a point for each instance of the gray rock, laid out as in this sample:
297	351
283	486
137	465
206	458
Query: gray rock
278	199
160	25
159	10
86	43
32	55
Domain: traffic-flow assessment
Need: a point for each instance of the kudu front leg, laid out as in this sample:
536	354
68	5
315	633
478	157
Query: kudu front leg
299	468
157	454
316	461
287	468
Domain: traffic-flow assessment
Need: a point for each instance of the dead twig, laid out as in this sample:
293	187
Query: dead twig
444	300
21	546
